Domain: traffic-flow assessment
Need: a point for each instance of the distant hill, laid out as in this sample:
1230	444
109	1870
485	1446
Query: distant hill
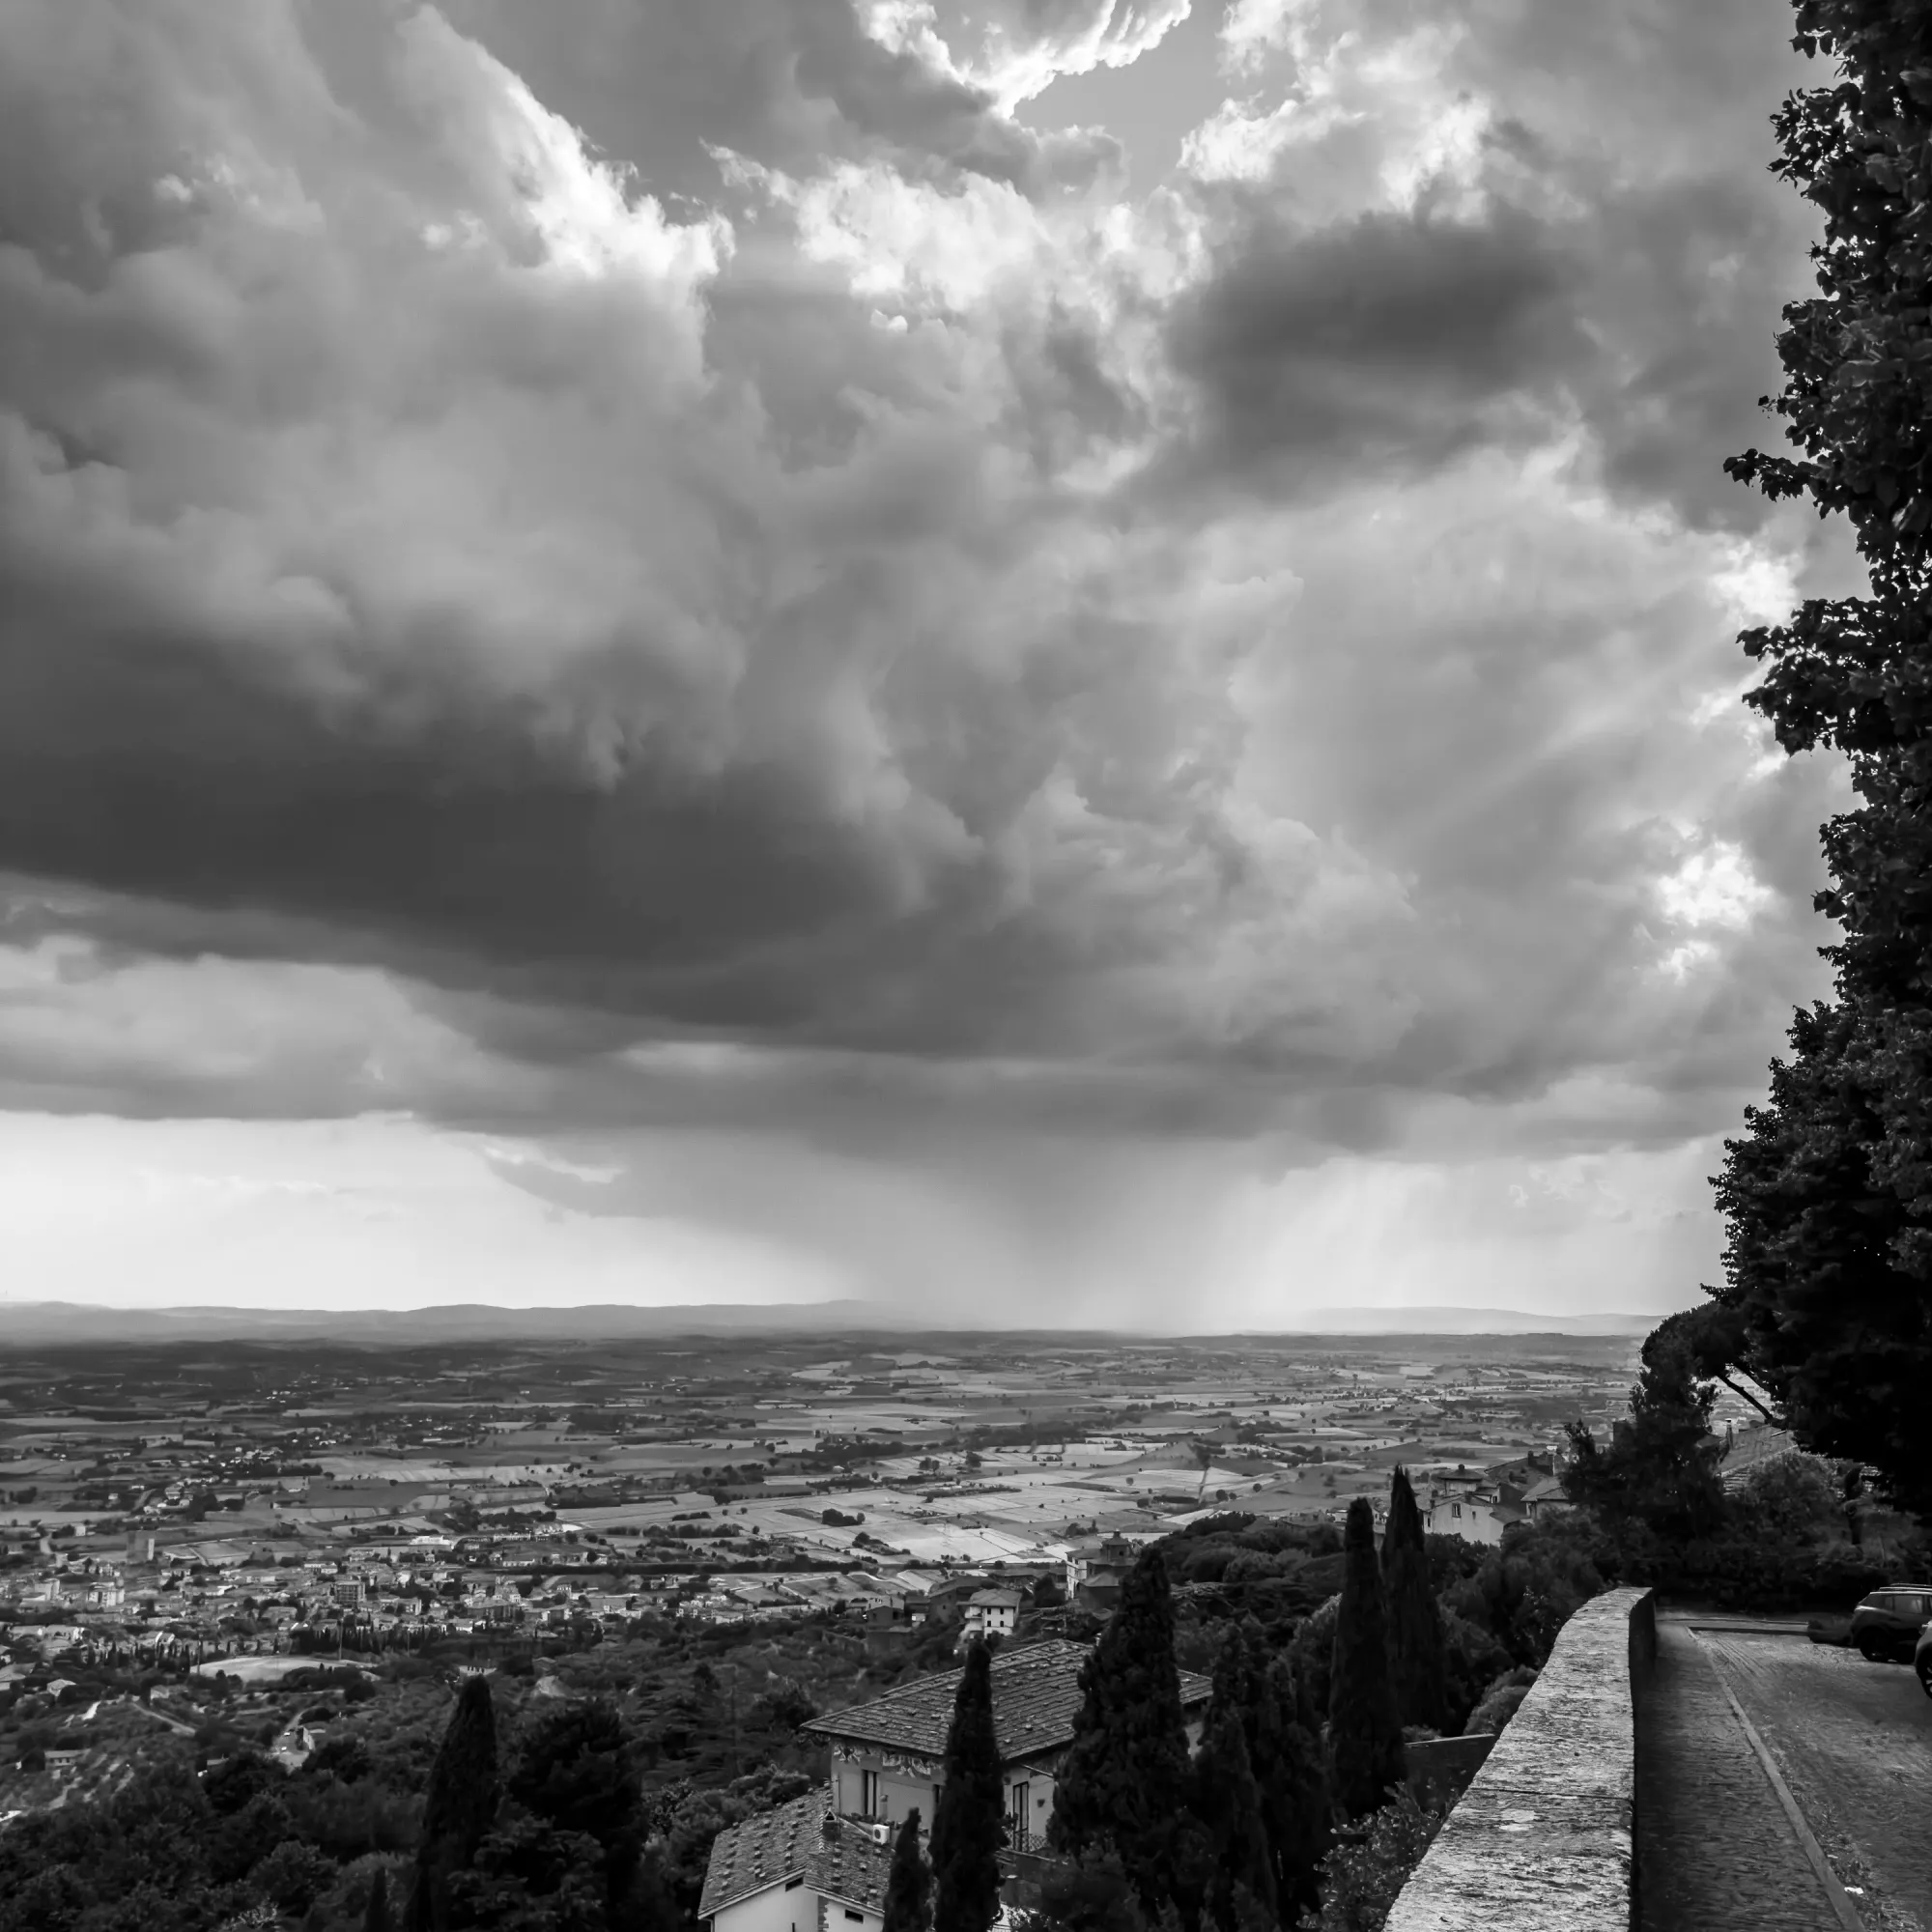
1462	1322
42	1321
24	1323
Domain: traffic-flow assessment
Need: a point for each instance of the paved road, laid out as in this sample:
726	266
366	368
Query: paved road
1714	1849
1853	1741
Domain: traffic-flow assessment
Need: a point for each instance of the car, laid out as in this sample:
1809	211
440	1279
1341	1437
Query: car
1921	1660
1886	1624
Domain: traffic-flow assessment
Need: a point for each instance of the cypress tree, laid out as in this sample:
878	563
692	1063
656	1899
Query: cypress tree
1126	1779
376	1914
1365	1755
458	1807
1415	1619
908	1904
968	1824
1295	1792
1228	1802
1286	1759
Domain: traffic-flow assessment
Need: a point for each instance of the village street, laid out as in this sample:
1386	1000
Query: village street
1852	1743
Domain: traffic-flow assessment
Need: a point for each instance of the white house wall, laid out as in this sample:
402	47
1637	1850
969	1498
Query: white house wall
776	1909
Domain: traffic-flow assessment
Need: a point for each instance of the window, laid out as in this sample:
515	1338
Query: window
869	1794
857	1917
794	1884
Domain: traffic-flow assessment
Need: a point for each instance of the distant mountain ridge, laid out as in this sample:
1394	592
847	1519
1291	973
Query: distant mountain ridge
1466	1321
24	1322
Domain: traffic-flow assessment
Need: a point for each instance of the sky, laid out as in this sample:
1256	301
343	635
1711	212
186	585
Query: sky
1073	661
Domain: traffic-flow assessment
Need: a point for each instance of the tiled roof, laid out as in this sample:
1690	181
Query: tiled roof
761	1850
852	1867
792	1841
1036	1699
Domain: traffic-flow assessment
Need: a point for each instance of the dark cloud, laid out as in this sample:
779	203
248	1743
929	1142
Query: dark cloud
792	84
1397	339
724	676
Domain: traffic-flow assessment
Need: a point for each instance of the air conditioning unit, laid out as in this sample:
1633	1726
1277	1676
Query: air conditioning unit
882	1832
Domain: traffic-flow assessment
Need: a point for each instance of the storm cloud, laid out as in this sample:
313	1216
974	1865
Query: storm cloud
686	572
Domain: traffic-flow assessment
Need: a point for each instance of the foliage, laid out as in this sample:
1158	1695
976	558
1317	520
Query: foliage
1311	1653
968	1826
1365	1752
1285	1758
1414	1619
1228	1802
1500	1702
1828	1194
376	1911
1124	1777
908	1902
1090	1892
292	1875
1471	1659
1661	1467
1792	1498
458	1807
572	1775
1522	1593
1362	1876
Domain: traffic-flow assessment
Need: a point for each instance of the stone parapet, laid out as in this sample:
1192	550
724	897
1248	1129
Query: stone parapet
1541	1840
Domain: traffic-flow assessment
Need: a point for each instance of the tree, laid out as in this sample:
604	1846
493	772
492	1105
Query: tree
968	1824
1285	1762
1294	1790
1661	1467
1415	1620
1228	1802
1828	1194
1125	1779
908	1906
376	1914
574	1774
458	1807
1365	1755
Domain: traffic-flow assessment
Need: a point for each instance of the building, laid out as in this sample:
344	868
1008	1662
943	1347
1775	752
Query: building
1477	1515
887	1755
798	1868
991	1613
1095	1570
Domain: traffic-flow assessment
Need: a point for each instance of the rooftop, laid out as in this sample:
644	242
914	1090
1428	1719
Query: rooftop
1036	1698
792	1841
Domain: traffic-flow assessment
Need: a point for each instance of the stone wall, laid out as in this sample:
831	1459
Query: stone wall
1541	1840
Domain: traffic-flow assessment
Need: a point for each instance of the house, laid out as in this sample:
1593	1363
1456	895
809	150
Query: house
1475	1516
991	1613
1545	1493
887	1755
940	1591
1095	1571
798	1868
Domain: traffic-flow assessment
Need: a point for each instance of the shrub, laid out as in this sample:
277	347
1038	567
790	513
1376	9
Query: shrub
1499	1702
1361	1877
